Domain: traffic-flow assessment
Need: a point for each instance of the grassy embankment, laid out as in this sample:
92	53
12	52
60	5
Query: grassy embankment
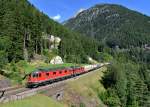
34	101
84	91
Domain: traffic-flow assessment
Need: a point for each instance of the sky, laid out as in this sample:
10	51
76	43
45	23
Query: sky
61	10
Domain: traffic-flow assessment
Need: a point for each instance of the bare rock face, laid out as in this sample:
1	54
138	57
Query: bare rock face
57	60
55	41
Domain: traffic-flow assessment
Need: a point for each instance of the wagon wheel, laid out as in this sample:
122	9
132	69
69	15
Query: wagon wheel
2	93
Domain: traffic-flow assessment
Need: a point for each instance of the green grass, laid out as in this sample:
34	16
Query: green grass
88	87
89	83
34	101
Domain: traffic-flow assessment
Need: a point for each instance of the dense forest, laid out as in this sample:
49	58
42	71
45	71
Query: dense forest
123	35
127	82
23	30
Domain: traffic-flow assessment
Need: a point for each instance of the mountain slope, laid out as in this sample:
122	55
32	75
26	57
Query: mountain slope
113	24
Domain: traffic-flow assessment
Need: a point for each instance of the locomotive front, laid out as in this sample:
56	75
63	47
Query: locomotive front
32	79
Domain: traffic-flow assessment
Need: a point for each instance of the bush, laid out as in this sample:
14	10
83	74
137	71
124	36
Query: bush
111	98
105	57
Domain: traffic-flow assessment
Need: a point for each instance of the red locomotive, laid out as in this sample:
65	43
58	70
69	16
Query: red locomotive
45	76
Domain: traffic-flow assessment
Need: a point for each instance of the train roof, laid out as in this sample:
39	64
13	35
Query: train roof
53	69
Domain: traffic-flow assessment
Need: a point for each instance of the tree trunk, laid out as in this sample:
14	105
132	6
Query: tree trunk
41	46
25	51
36	47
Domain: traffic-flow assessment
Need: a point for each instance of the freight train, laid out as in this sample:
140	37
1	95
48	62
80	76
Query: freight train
47	76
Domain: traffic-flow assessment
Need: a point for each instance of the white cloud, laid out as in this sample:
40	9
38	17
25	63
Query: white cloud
57	17
79	11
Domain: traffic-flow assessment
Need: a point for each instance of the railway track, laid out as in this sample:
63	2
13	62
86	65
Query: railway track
20	92
15	91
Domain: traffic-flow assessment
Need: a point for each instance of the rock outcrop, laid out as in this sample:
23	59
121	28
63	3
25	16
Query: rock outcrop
56	60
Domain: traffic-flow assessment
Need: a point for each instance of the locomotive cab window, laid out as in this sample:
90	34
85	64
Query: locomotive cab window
39	75
35	75
60	72
65	71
